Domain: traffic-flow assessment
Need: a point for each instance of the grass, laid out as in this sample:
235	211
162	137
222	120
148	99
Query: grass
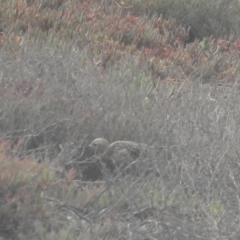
162	73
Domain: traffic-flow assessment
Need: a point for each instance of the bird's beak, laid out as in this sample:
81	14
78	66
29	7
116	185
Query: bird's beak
90	146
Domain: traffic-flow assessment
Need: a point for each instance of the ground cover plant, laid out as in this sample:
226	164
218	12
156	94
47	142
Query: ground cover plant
162	73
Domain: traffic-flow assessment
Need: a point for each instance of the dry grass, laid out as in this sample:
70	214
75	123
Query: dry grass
192	178
57	95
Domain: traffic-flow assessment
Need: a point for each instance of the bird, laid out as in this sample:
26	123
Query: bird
117	155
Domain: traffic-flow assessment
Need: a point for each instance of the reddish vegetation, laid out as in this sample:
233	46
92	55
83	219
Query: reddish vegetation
112	31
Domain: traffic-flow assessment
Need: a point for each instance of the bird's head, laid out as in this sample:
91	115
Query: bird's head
100	145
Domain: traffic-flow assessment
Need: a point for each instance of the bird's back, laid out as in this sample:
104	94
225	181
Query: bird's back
123	154
132	149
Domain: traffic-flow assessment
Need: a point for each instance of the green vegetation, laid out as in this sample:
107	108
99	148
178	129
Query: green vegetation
160	72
